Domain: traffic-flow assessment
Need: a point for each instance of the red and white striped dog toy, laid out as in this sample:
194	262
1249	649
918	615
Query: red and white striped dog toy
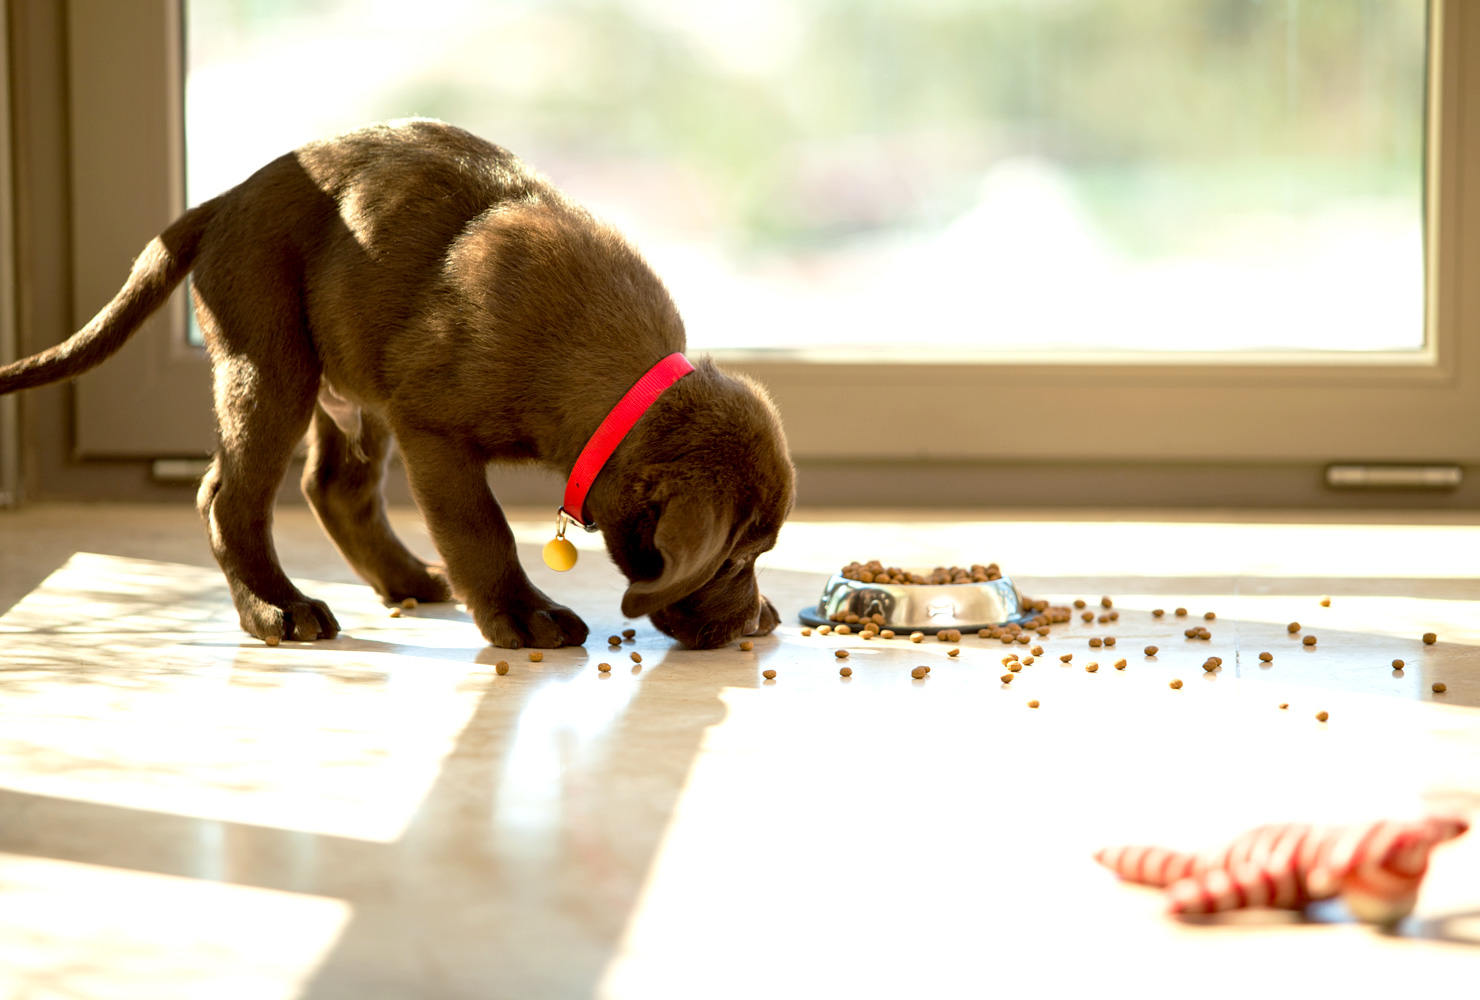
1375	867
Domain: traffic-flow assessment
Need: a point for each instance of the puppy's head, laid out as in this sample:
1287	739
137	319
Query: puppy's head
706	484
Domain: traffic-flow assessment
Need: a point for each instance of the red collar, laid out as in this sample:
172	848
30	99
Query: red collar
614	428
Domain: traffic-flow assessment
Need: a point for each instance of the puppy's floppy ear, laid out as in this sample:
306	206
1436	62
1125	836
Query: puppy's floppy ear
693	537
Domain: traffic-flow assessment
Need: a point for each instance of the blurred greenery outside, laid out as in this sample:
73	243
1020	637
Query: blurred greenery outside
811	150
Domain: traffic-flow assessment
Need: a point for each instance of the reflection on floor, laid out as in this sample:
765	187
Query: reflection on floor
185	812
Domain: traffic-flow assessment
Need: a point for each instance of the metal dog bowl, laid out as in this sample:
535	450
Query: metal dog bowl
921	608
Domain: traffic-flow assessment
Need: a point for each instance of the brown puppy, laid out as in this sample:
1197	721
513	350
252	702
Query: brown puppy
411	282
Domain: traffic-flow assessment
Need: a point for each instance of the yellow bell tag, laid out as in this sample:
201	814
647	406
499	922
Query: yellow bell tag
559	553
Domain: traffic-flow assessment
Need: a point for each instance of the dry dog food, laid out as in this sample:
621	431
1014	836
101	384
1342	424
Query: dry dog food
917	637
1095	643
769	675
1397	664
1014	667
1429	638
1036	650
1007	678
1439	687
1293	627
1284	704
845	671
1091	667
949	635
1175	684
395	612
841	654
1066	657
1033	703
1079	603
747	646
1109	640
1322	716
843	630
1088	616
888	633
501	667
1119	664
1027	660
1309	640
1157	612
1180	612
806	631
613	640
636	656
272	640
604	667
1210	664
1266	657
536	656
1105	602
918	672
953	652
409	603
1325	602
876	572
1150	650
629	633
1210	616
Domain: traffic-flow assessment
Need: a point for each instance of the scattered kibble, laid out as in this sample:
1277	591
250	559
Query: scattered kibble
806	631
1105	602
1309	640
1180	612
395	612
1007	678
1088	616
1175	684
1157	612
845	671
1203	633
949	635
841	654
1119	664
636	656
1014	667
1091	667
888	633
1033	703
1009	658
1397	664
604	667
1036	650
918	673
409	603
629	633
1325	602
1027	660
613	640
824	630
1322	716
843	630
1151	650
917	637
536	656
1293	627
1284	704
1429	638
746	646
1439	687
1066	657
1210	616
1095	643
272	640
501	667
769	675
876	572
1266	657
1109	640
1078	603
1209	665
953	652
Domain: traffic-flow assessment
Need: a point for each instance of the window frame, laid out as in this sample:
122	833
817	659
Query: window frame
1131	408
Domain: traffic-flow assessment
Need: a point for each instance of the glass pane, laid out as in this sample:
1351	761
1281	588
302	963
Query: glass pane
869	179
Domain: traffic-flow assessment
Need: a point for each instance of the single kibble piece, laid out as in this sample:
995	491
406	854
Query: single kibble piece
1180	612
1095	643
1309	640
1217	659
629	633
1036	650
824	630
1007	678
1439	687
1293	627
1042	630
1009	658
953	652
845	671
747	646
1024	638
501	667
1066	657
1397	664
1266	657
1033	703
1203	633
409	603
1109	640
1027	660
636	656
1284	704
613	640
1175	684
841	654
806	631
1151	650
1325	602
843	630
1190	633
1105	602
984	633
850	618
769	675
917	637
272	640
1090	668
927	668
604	667
1079	604
1088	616
888	633
1014	666
917	673
536	656
1322	716
395	612
1119	664
1209	665
1209	615
1429	638
1157	612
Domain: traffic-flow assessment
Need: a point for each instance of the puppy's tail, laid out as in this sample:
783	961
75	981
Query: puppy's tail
163	265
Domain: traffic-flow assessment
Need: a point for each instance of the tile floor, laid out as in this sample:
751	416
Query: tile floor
185	812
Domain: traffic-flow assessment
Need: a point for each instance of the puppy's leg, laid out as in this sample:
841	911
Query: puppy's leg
342	482
470	531
262	414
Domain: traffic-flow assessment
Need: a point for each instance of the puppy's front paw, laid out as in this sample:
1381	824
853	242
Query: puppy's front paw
543	626
303	620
